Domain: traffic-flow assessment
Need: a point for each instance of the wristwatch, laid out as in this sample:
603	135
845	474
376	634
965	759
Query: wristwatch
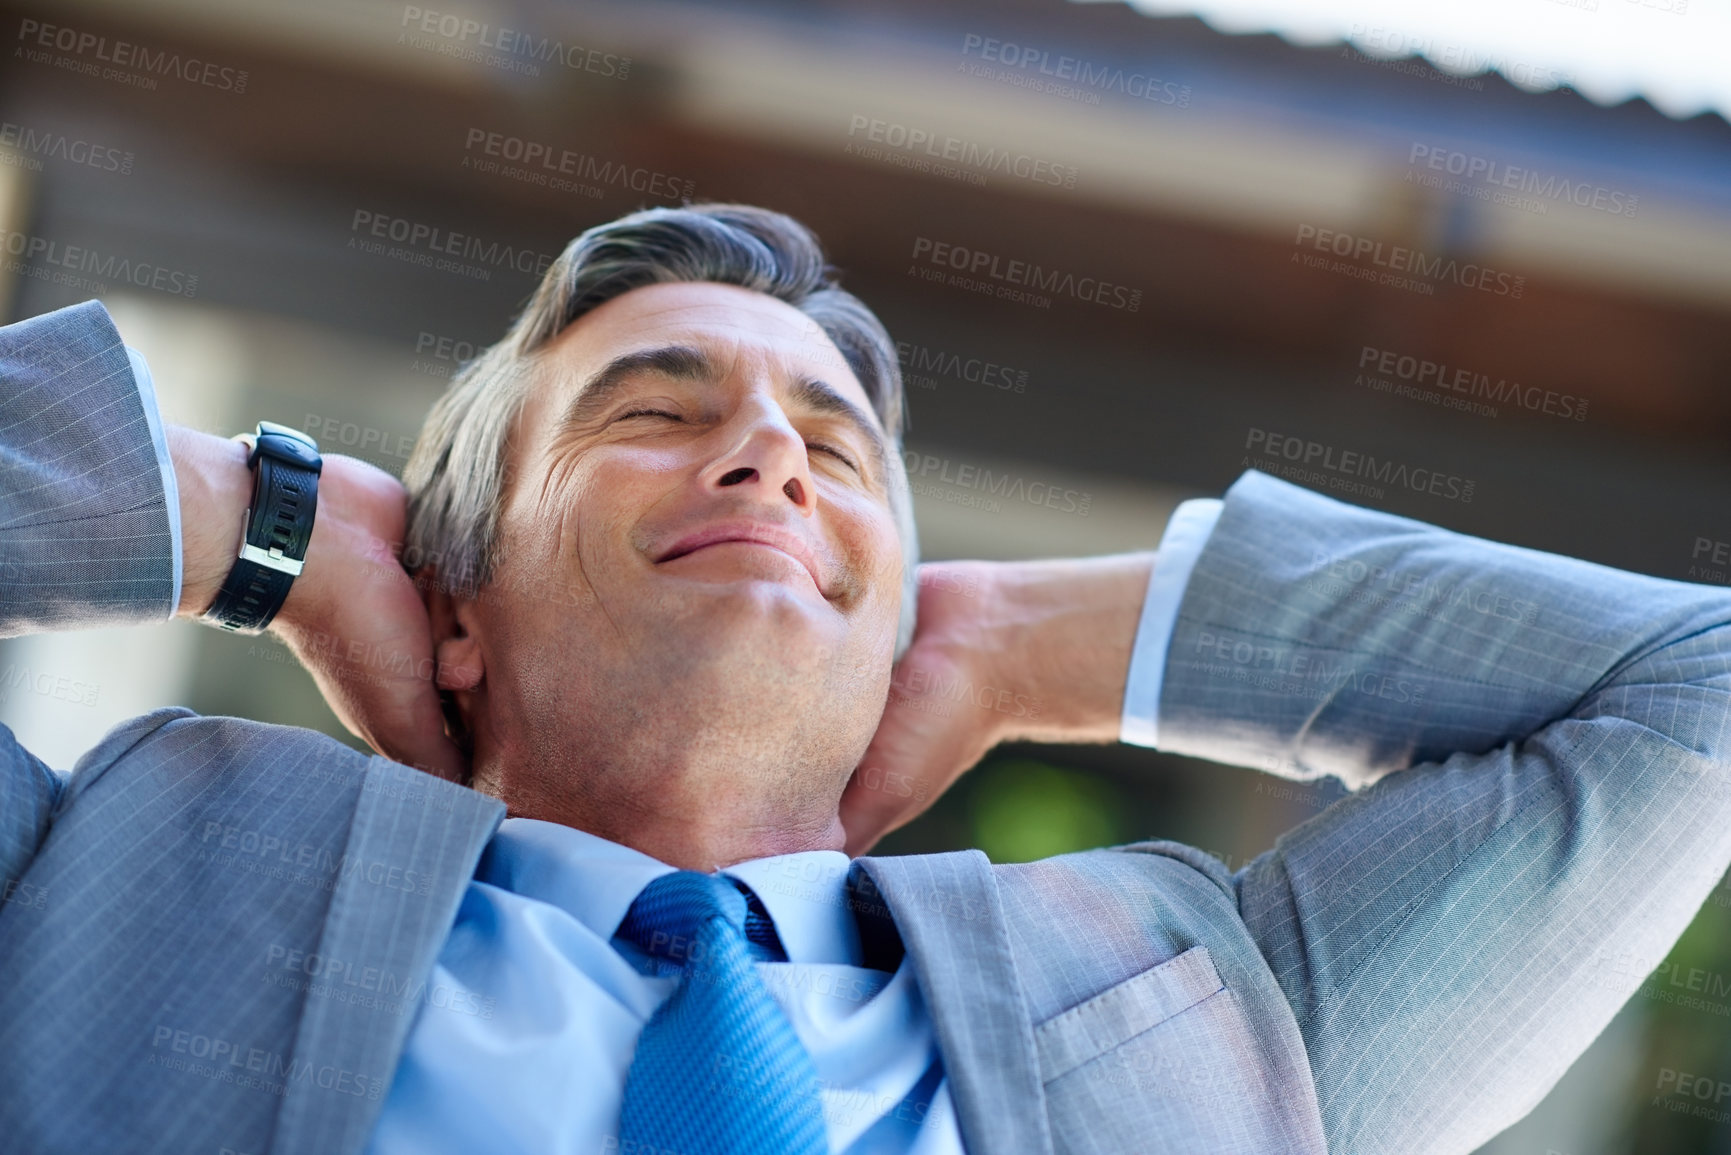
285	494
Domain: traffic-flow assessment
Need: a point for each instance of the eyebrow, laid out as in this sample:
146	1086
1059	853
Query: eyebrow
680	362
689	363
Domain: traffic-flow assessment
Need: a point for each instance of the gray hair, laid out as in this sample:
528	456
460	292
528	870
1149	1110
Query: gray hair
456	475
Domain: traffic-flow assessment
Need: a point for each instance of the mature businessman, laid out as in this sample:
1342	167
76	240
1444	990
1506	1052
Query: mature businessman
660	539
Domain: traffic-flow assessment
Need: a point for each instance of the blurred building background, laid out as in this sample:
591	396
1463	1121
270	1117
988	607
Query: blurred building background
1386	244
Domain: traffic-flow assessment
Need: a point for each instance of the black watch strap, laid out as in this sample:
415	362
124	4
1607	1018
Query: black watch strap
285	489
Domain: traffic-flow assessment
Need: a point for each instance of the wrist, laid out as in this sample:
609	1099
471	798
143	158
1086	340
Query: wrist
215	489
1065	632
356	540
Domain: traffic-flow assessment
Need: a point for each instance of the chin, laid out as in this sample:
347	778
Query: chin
754	621
778	607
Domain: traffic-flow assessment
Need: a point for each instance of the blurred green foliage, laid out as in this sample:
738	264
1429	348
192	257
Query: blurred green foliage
1023	810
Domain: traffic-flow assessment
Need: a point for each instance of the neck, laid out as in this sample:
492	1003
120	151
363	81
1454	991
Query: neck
710	850
701	782
703	831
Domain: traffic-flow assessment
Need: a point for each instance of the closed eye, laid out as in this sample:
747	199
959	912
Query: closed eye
648	413
818	447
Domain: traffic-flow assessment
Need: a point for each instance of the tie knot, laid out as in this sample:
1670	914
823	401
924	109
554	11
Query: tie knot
669	916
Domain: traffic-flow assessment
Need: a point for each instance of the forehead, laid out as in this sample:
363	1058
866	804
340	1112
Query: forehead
735	323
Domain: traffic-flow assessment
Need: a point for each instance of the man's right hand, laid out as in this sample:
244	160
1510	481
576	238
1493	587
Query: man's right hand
353	617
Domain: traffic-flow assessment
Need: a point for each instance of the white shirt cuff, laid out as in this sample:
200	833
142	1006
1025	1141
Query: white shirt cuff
1180	546
159	438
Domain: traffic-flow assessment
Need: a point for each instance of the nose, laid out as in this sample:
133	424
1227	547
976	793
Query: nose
766	453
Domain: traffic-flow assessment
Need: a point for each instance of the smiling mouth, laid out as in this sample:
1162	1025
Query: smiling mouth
730	541
699	546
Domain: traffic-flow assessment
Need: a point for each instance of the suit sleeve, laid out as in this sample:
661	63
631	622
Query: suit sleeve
86	530
1540	751
29	792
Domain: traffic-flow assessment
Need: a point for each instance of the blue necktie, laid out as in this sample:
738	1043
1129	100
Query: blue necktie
718	1069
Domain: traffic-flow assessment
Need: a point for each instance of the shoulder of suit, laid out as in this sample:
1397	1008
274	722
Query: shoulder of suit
1152	856
173	735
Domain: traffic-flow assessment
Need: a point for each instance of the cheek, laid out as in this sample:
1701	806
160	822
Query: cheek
867	535
591	511
543	543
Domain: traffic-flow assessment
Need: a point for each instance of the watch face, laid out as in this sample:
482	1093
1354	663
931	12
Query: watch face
271	427
289	451
295	450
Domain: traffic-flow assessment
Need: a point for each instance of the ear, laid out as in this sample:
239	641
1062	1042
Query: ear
456	634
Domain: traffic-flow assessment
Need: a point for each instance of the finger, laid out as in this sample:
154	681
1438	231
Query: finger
383	690
399	718
420	740
866	815
907	767
873	805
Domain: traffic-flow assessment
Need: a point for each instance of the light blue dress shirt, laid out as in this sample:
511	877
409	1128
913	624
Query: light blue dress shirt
531	1015
159	441
1186	533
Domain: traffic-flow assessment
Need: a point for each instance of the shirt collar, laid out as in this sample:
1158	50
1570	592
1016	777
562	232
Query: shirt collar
595	881
806	897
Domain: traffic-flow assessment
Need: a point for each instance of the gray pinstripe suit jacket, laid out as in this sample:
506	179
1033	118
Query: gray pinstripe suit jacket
1408	972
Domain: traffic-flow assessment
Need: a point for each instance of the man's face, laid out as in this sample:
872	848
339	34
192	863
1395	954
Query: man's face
696	547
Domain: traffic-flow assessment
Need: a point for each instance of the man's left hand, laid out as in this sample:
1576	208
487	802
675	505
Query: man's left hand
926	738
1002	651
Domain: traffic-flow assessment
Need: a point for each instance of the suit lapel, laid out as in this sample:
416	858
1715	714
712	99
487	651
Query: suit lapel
951	921
411	851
